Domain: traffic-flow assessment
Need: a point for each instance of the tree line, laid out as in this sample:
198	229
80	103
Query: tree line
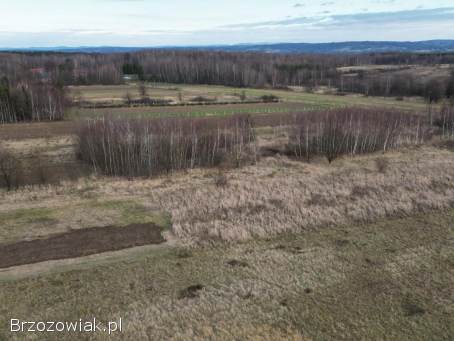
32	83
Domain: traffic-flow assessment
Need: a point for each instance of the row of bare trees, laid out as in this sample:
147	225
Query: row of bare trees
147	147
354	131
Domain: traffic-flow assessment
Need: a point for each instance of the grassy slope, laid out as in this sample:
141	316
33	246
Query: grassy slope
389	280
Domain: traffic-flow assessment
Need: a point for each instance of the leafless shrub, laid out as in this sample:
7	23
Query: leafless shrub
382	164
445	121
143	90
269	98
10	170
202	99
41	168
352	131
220	180
128	98
243	96
147	147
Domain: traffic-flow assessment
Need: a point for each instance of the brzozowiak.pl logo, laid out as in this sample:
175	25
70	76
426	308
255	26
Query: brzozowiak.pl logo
81	326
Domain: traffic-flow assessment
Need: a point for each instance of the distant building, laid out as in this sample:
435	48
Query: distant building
40	73
130	77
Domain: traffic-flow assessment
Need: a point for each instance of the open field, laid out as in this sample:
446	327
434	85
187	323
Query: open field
36	130
196	110
295	99
291	102
311	263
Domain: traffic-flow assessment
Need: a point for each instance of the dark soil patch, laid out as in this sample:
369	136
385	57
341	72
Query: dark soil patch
191	291
280	247
341	242
79	243
412	309
184	254
239	263
284	303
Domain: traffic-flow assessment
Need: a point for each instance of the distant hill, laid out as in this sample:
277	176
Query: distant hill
349	47
341	47
82	49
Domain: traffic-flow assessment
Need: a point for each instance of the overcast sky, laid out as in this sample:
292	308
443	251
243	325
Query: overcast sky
43	23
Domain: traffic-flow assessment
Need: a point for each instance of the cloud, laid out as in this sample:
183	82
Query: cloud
418	24
375	18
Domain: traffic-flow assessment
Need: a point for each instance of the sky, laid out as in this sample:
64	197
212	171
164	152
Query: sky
46	23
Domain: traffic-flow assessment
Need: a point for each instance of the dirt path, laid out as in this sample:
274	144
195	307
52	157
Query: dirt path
79	243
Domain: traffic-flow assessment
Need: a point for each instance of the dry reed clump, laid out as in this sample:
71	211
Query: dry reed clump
255	204
321	197
353	131
148	147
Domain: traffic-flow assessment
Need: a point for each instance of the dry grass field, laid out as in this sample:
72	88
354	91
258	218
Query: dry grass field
420	71
279	249
275	195
361	249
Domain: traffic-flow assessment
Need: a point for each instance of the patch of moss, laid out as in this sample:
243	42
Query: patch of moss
28	216
133	212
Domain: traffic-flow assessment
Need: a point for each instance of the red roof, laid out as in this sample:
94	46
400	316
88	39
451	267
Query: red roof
37	70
